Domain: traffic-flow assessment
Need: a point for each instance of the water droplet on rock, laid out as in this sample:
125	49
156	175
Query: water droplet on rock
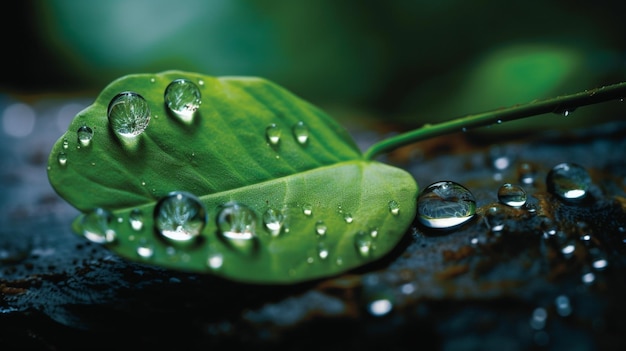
445	204
512	195
568	181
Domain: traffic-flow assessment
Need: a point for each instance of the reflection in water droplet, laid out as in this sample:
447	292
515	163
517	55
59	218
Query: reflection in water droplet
179	217
273	221
568	181
512	195
97	226
183	98
135	218
237	225
129	114
445	204
394	207
272	134
301	133
84	134
364	243
62	158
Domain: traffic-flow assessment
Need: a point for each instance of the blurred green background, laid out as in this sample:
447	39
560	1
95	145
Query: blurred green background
401	62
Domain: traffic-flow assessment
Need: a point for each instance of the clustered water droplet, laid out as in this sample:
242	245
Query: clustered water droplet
183	98
179	217
445	204
129	114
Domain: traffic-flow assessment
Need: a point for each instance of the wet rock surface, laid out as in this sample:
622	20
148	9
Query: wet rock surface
546	275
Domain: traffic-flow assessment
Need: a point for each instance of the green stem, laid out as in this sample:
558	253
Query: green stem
561	105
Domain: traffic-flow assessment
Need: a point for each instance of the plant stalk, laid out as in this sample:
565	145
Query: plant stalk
561	105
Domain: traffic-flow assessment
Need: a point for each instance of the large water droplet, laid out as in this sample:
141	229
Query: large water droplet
84	134
183	98
301	133
512	195
97	226
273	220
568	181
179	217
237	225
445	204
272	134
129	114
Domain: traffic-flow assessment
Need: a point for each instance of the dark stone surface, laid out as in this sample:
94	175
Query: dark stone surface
467	289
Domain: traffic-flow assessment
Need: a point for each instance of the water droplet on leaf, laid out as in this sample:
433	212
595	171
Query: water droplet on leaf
129	114
84	134
320	228
272	134
568	181
97	226
62	158
273	220
183	98
364	243
394	207
179	217
307	209
512	195
445	204
301	133
237	225
135	218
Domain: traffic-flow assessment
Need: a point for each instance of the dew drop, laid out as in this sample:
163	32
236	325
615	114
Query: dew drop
394	207
512	195
97	226
445	204
273	220
237	225
364	243
135	218
66	143
215	260
322	250
145	250
495	219
568	181
321	228
179	217
347	217
272	134
301	133
84	134
307	209
129	114
380	306
183	99
62	158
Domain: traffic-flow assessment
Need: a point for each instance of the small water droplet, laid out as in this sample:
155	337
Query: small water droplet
215	260
394	207
539	318
322	250
495	219
347	217
97	226
568	181
568	249
272	134
145	249
380	306
512	195
66	143
321	228
135	218
445	204
273	220
565	112
84	134
62	158
301	133
129	114
237	225
179	217
526	173
364	243
563	305
588	277
307	209
183	99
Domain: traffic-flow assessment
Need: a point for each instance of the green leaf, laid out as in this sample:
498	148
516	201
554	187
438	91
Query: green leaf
339	210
